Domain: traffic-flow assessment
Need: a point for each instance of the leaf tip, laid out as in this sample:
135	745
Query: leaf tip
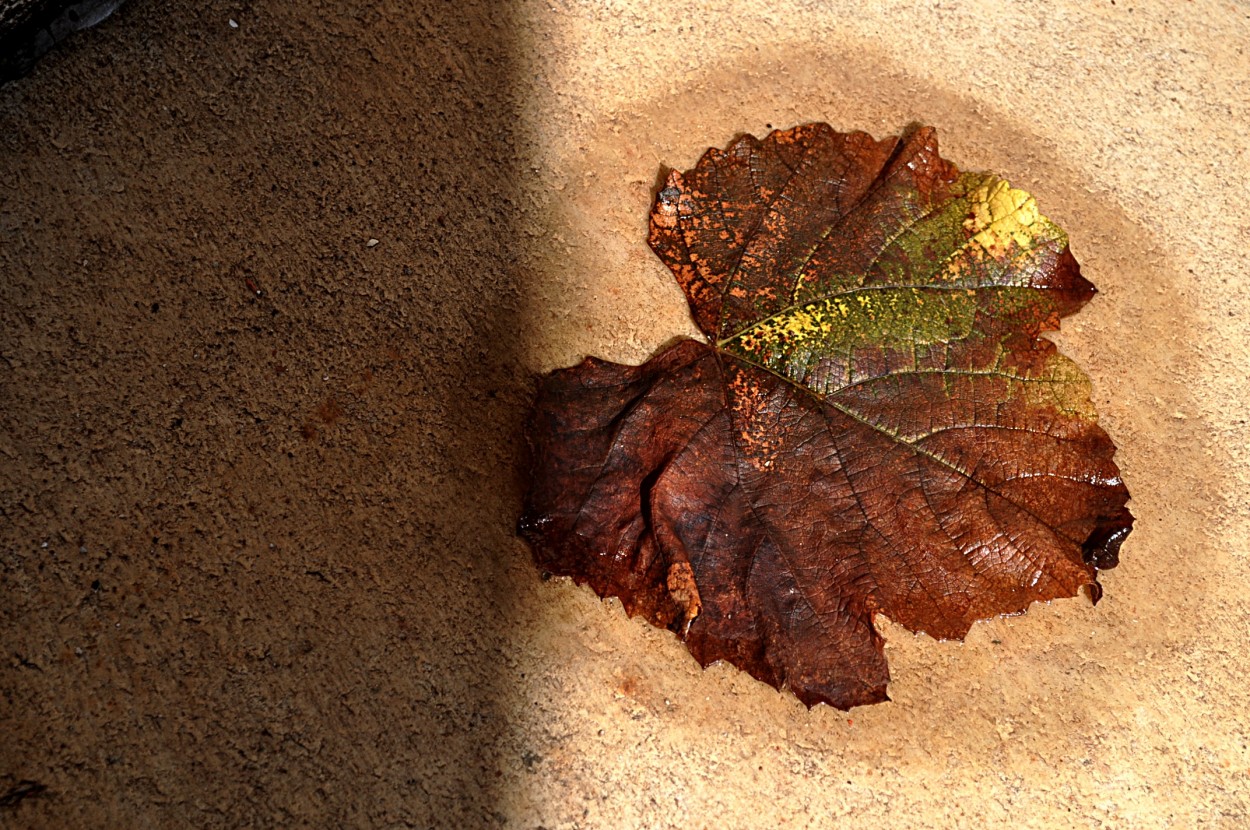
1094	591
1102	547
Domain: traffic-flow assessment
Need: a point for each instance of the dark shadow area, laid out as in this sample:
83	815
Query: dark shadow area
29	28
262	404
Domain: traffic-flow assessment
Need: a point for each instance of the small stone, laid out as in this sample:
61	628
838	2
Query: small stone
371	243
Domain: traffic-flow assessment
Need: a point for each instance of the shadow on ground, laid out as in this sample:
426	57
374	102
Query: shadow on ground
259	451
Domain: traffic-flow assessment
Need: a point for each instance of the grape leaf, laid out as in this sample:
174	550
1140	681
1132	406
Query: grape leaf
873	426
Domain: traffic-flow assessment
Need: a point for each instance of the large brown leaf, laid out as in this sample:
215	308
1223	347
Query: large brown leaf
874	425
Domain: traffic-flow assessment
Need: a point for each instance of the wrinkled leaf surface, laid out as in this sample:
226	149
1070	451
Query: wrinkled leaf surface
873	426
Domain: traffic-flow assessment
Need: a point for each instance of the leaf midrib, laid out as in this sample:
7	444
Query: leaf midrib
937	266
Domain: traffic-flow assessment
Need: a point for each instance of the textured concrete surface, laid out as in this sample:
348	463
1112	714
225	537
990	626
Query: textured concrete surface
259	476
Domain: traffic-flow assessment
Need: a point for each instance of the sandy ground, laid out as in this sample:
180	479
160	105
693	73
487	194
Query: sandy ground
259	478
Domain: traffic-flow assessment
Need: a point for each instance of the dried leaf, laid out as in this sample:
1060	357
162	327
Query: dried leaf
874	426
